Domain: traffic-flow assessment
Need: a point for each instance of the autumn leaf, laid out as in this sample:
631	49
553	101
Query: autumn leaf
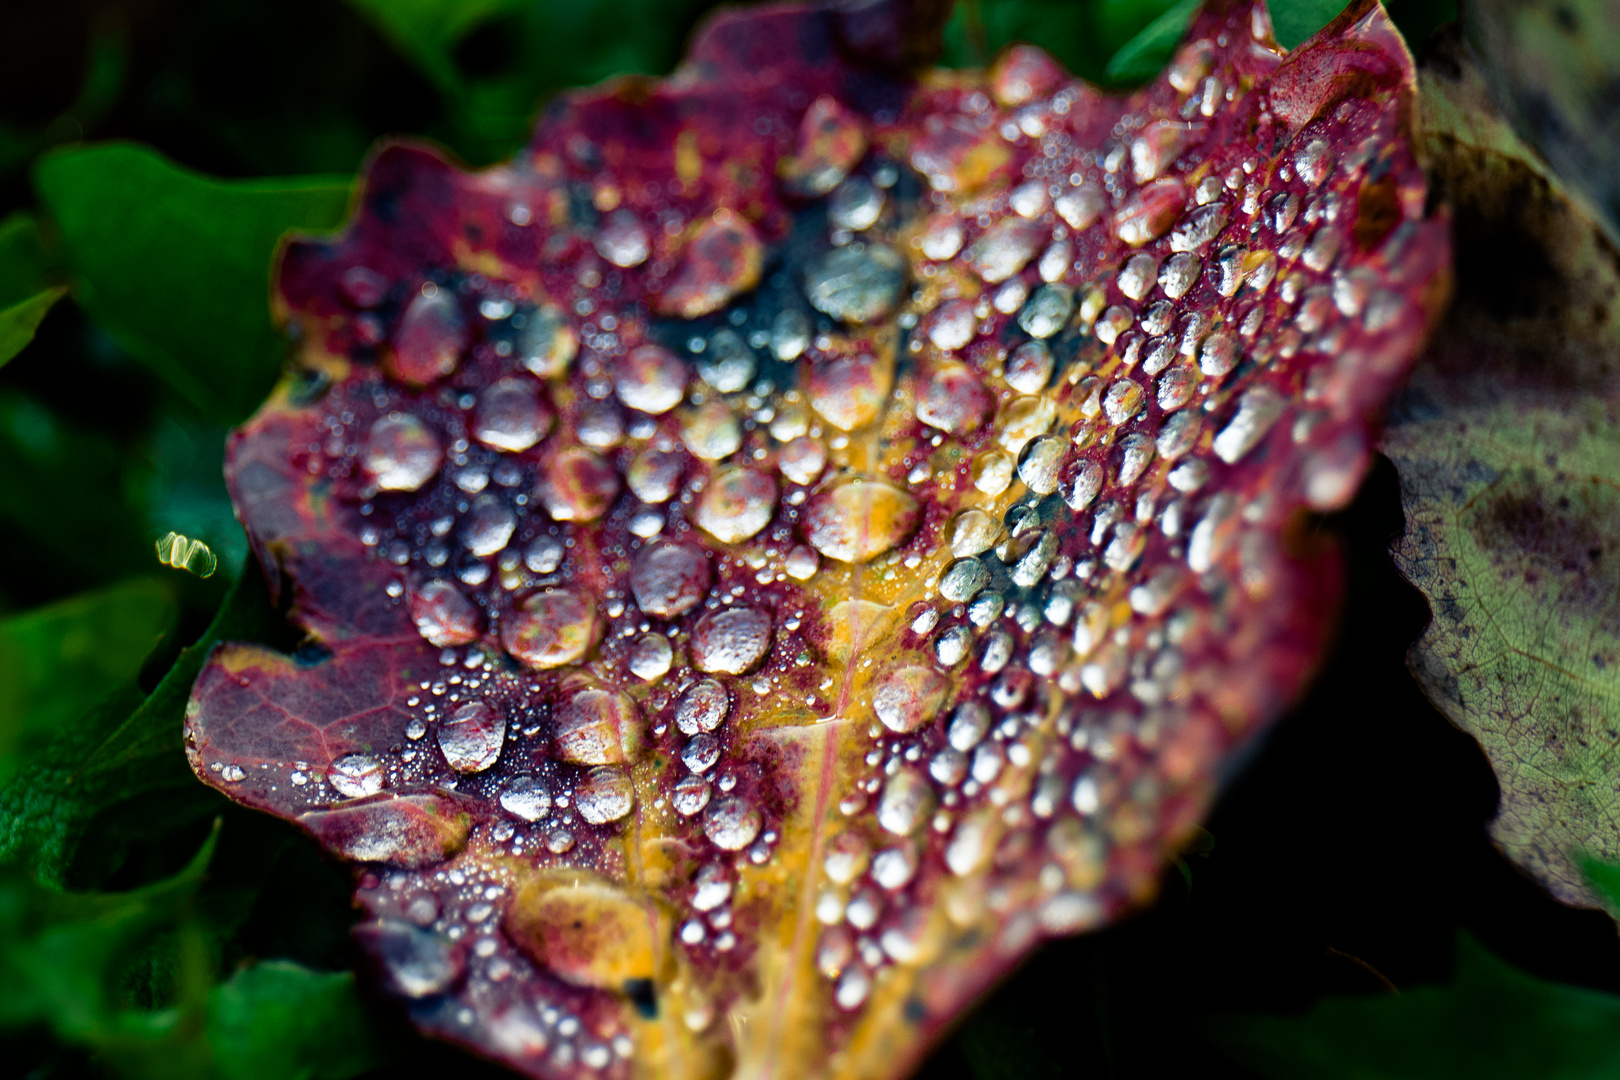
1509	454
804	532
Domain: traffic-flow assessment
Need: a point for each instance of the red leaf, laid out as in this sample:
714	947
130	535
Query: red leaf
800	534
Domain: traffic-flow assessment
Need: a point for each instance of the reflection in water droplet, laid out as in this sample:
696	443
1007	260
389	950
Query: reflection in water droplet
401	453
690	795
1029	368
802	459
430	338
577	485
547	343
651	657
909	697
605	795
472	736
488	526
736	505
702	708
856	283
623	241
730	641
443	615
855	204
952	399
728	363
510	415
860	519
790	334
651	379
732	823
669	579
550	629
356	775
527	797
597	727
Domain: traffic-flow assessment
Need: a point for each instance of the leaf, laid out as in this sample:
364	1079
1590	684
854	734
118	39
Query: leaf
176	265
1146	54
26	293
277	1020
767	565
58	662
1548	68
1507	444
123	746
1296	20
427	31
1492	1021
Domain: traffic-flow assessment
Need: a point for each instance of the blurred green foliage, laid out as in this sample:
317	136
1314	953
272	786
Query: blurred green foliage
1491	1022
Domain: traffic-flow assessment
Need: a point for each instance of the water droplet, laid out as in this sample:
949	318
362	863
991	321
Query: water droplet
701	752
893	868
416	962
952	325
606	794
971	532
790	334
1081	206
1006	248
1047	311
669	579
731	823
855	204
730	641
1029	199
472	736
909	697
597	727
852	989
650	379
1258	410
547	343
856	283
942	237
723	259
1023	419
802	459
444	616
577	485
1123	401
544	554
1038	465
488	526
1029	368
690	795
356	775
510	416
848	391
906	802
623	240
550	629
859	519
952	399
831	140
401	453
1148	214
1198	228
654	476
736	505
1177	276
526	797
1136	278
702	708
430	338
963	579
651	657
992	472
727	364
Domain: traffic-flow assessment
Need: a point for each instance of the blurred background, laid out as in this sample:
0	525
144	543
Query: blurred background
1345	859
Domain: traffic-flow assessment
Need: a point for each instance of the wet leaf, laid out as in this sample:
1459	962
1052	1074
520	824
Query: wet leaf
802	533
176	265
1507	444
1492	1021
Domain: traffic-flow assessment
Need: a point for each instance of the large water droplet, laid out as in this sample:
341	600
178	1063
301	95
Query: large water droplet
597	727
723	258
731	641
952	399
577	485
488	526
606	794
736	505
702	708
858	520
472	736
848	391
669	579
909	697
527	797
401	453
547	343
731	823
856	283
510	415
444	616
623	241
907	800
430	338
550	629
650	378
356	775
727	364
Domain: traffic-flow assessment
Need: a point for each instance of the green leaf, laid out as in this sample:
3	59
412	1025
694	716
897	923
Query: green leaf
1292	21
1508	446
57	662
279	1020
1146	54
19	321
427	31
177	265
1605	878
1493	1022
64	957
127	747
